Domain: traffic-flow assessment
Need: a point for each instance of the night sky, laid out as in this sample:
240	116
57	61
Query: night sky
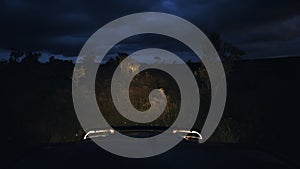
61	27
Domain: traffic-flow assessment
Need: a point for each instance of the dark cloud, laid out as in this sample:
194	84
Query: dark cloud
62	26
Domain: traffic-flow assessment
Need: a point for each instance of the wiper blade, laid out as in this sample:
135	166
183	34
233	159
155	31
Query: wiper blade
185	134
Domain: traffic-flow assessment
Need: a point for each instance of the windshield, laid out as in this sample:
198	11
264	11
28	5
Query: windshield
213	77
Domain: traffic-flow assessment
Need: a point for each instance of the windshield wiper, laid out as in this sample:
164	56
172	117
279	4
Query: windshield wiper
185	134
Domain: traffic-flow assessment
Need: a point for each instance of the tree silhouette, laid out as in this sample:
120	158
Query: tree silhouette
31	57
15	55
228	54
24	56
225	50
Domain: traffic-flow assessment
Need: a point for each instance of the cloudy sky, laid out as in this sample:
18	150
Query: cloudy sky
262	28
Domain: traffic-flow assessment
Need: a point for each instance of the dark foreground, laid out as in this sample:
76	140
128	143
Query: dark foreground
86	154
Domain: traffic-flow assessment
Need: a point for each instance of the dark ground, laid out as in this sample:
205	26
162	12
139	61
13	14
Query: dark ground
262	109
